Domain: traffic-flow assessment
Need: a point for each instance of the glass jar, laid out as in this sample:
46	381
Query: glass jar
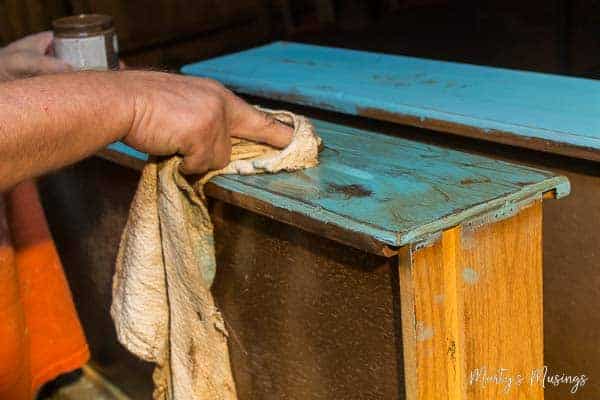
86	41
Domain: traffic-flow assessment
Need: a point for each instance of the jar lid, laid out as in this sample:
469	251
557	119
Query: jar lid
82	24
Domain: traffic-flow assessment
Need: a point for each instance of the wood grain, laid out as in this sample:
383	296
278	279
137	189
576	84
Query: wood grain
386	190
308	318
540	111
472	302
430	277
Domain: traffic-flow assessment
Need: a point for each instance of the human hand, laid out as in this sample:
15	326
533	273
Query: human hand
194	117
30	56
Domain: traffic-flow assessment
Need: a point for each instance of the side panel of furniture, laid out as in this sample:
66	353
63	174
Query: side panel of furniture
571	254
308	318
472	311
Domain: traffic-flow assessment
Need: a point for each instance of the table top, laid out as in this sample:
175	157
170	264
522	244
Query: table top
545	112
373	190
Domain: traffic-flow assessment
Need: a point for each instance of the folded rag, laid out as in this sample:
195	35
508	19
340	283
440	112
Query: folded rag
40	334
162	306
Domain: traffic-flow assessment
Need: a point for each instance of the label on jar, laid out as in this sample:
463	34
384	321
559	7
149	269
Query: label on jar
82	53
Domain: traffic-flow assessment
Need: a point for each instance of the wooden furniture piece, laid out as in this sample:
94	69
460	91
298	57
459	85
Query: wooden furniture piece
416	272
539	111
541	120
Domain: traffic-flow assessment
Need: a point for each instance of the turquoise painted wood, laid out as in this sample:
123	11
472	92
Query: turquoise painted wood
557	114
129	151
394	190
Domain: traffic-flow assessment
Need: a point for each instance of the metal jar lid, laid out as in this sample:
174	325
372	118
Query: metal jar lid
82	25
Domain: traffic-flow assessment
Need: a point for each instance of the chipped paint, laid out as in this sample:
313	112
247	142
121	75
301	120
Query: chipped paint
506	210
439	298
427	241
472	181
423	332
470	276
349	191
562	189
467	241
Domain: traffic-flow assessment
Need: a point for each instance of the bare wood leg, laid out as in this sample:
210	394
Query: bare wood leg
472	311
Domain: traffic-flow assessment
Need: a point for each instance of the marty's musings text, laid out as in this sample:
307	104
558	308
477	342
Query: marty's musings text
539	376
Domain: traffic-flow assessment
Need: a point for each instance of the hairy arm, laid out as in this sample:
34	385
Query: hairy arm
51	121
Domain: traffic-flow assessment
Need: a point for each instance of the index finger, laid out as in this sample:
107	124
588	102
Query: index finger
252	124
38	42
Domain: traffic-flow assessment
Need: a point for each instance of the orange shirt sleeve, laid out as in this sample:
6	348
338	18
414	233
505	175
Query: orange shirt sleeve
43	337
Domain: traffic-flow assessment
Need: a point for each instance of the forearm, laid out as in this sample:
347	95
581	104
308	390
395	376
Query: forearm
49	122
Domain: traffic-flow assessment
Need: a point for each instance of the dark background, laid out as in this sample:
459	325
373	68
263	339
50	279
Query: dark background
549	36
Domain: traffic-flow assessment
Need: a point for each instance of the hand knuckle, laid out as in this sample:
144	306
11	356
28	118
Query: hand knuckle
213	84
217	103
209	124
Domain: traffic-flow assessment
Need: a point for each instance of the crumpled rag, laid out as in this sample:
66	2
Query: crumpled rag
162	306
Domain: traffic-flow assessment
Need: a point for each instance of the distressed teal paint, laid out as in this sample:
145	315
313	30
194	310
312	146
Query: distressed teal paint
395	190
130	151
561	110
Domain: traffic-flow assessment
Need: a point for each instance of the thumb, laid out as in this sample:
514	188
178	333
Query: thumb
252	124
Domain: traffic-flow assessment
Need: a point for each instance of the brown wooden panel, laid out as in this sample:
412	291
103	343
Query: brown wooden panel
501	271
572	285
308	318
472	311
433	303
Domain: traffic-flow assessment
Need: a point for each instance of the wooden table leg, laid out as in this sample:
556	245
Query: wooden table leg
472	311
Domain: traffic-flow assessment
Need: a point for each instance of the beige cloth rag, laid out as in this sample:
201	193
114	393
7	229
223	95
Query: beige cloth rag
162	306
